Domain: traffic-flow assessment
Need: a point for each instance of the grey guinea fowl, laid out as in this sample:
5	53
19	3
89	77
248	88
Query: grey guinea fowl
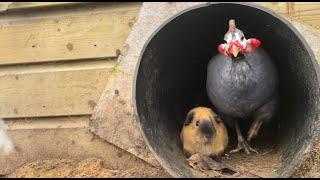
242	84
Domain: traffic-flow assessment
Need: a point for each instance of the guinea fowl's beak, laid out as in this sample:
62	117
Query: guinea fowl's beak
235	50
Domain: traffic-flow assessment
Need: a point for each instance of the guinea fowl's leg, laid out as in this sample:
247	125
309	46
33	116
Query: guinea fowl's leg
263	114
254	129
242	143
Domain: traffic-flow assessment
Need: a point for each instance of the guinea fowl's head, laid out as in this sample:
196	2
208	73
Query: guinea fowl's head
236	43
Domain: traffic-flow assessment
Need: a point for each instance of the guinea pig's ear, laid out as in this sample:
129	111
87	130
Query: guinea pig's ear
189	118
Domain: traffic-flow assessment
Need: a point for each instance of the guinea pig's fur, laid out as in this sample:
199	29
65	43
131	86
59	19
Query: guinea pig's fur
203	132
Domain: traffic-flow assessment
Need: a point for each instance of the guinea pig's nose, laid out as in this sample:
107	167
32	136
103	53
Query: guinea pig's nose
208	136
206	129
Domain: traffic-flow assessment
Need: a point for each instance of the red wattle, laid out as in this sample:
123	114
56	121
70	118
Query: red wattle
221	49
254	42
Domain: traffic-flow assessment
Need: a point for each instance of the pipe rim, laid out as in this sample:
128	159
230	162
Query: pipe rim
290	170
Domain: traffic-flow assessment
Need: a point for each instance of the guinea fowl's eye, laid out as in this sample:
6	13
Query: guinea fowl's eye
242	37
197	123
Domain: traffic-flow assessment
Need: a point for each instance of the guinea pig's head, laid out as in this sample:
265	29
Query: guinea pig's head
199	123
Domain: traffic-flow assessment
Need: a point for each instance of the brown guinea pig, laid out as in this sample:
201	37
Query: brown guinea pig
203	132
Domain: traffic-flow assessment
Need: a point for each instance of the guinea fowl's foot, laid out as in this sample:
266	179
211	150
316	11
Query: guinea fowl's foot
243	145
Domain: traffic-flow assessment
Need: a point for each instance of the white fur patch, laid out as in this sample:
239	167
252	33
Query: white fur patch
6	146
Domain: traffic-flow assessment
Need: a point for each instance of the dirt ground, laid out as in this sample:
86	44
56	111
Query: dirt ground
247	165
85	168
95	168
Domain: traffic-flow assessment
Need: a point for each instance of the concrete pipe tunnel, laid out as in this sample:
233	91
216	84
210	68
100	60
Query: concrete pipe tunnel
171	79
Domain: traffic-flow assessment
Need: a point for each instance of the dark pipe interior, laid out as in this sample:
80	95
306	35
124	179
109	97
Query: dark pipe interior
171	79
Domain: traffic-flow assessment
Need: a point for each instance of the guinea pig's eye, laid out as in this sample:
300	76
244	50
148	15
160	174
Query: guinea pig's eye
197	123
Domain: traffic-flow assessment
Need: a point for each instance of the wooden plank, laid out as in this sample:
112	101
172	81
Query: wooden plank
52	90
27	5
59	66
81	36
305	12
4	6
279	7
47	123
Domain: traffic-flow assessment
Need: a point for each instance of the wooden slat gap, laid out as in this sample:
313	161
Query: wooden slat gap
57	67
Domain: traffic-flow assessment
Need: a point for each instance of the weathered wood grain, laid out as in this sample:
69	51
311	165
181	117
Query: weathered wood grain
52	90
27	5
65	37
305	12
47	123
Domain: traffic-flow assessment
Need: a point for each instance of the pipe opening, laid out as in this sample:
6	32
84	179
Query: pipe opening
171	79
